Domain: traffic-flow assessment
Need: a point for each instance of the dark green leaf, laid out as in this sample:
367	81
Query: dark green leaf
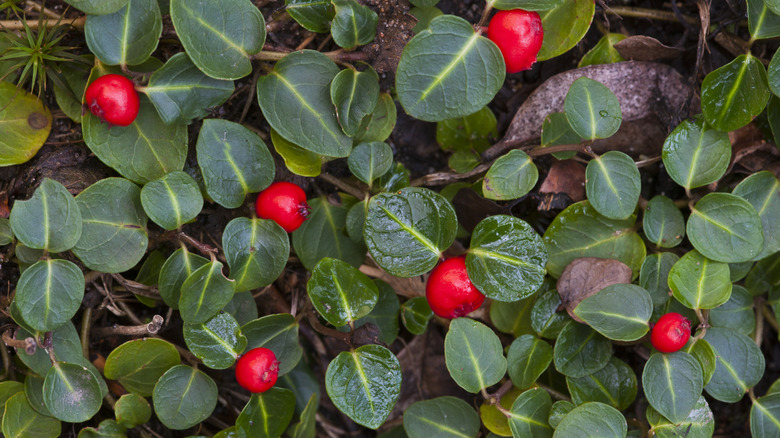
735	93
323	234
355	95
267	415
565	25
307	427
614	385
415	314
764	276
765	416
441	417
700	423
673	384
559	410
183	397
513	318
546	320
313	15
528	5
620	312
510	177
8	389
663	222
740	364
556	130
341	293
592	420
527	358
204	293
380	123
385	313
301	381
180	265
612	183
655	274
369	161
473	355
49	220
695	154
217	342
698	282
172	200
6	235
737	313
725	228
474	132
68	344
97	7
21	420
256	251
703	352
49	293
132	410
127	36
529	412
762	22
71	392
604	51
278	333
138	364
592	110
33	389
580	350
107	429
762	191
242	307
353	25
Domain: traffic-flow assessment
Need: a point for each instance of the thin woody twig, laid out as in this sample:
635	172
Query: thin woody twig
131	330
28	345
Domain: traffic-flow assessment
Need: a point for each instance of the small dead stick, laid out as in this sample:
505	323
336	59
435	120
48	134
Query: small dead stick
28	345
131	330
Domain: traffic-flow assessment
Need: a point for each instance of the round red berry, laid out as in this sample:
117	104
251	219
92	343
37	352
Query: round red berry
670	333
284	203
113	99
518	34
450	292
257	370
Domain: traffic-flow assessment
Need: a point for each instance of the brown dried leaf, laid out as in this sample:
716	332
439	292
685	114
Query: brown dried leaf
645	48
567	177
586	276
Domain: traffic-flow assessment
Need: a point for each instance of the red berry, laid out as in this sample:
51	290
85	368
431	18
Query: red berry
670	333
284	203
449	290
518	34
257	370
113	98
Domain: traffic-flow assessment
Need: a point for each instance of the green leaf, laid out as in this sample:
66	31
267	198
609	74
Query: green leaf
267	415
765	416
21	420
565	25
380	123
764	276
620	312
654	276
604	51
762	22
559	410
49	220
546	320
700	423
180	265
71	392
68	349
612	184
220	37
580	231
26	125
33	389
463	162
395	179
323	235
415	314
663	222
580	350
341	293
172	200
528	5
737	313
204	293
114	236
301	381
295	99
695	155
355	95
448	71
278	333
242	306
132	410
725	228
506	259
141	152
474	132
49	293
510	177
591	109
385	313
183	397
672	384
256	251
307	427
474	355
441	417
234	160
127	36
369	161
6	235
217	342
313	15
97	7
592	420
703	352
734	94
181	92
364	384
773	78
761	191
700	283
8	389
556	130
528	357
68	97
513	318
740	364
529	412
139	363
297	159
614	385
353	25
107	429
407	231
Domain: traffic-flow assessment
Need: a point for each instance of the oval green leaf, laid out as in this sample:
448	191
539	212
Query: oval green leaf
700	283
355	95
97	7
441	417
313	15
695	155
172	200
737	313
267	415
256	251
278	333
564	26
49	293
612	184
740	364
183	397
21	420
620	312
734	94
474	356
614	385
26	125
592	109
323	234
217	342
379	124
529	412
139	363
297	159
49	220
725	228
513	318
557	130
341	293
762	191
353	25
672	384
765	416
71	392
132	410
369	161
511	176
415	314
528	357
180	265
127	36
663	222
204	293
580	350
654	276
592	420
700	423
762	22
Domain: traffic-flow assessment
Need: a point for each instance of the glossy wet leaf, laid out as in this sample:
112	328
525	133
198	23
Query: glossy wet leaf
592	420
26	125
654	276
762	191
762	22
141	152
114	236
614	385
725	228
620	312
580	231
474	355
765	416
546	320
204	293
448	71
369	161
217	342
506	260
364	384
20	419
441	417
604	51
613	185
139	363
592	109
407	231
172	200
380	123
672	384
49	293
573	16
415	314
510	177
314	15
180	265
740	364
556	130
256	251
297	159
183	397
181	92
663	222
71	392
220	37
528	357
127	36
97	7
737	313
695	154
355	95
700	283
278	333
49	220
700	423
266	415
734	94
341	293
323	234
580	350
353	24
132	410
295	99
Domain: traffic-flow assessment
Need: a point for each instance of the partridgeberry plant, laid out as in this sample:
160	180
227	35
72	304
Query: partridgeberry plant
413	218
